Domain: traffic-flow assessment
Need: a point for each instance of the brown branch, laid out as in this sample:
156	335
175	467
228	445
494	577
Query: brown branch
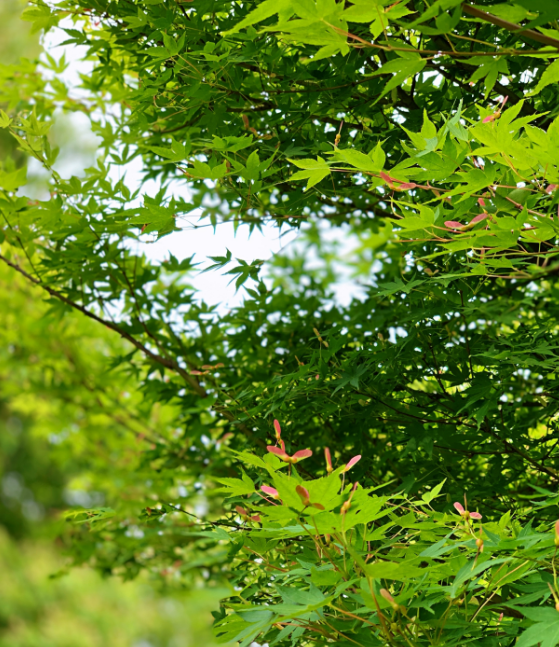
163	361
515	450
168	363
434	52
510	26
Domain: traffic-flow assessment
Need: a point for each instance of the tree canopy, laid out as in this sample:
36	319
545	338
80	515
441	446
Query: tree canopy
410	147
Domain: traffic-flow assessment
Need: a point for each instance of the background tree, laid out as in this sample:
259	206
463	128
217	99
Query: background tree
59	423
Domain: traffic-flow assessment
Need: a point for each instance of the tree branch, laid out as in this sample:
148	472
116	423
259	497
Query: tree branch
168	363
510	26
163	361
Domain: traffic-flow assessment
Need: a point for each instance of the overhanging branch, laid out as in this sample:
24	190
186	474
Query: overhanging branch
163	361
510	26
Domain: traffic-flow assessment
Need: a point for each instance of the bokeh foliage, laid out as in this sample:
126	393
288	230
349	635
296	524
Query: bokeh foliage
81	609
67	442
57	420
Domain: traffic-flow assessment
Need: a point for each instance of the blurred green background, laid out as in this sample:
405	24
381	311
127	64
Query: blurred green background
65	421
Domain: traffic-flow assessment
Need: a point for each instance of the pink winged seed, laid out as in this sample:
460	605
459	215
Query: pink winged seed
328	458
304	494
270	491
352	462
276	450
387	177
403	186
459	507
386	595
479	218
302	453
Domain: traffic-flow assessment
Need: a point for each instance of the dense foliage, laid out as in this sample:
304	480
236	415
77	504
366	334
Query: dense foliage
410	146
